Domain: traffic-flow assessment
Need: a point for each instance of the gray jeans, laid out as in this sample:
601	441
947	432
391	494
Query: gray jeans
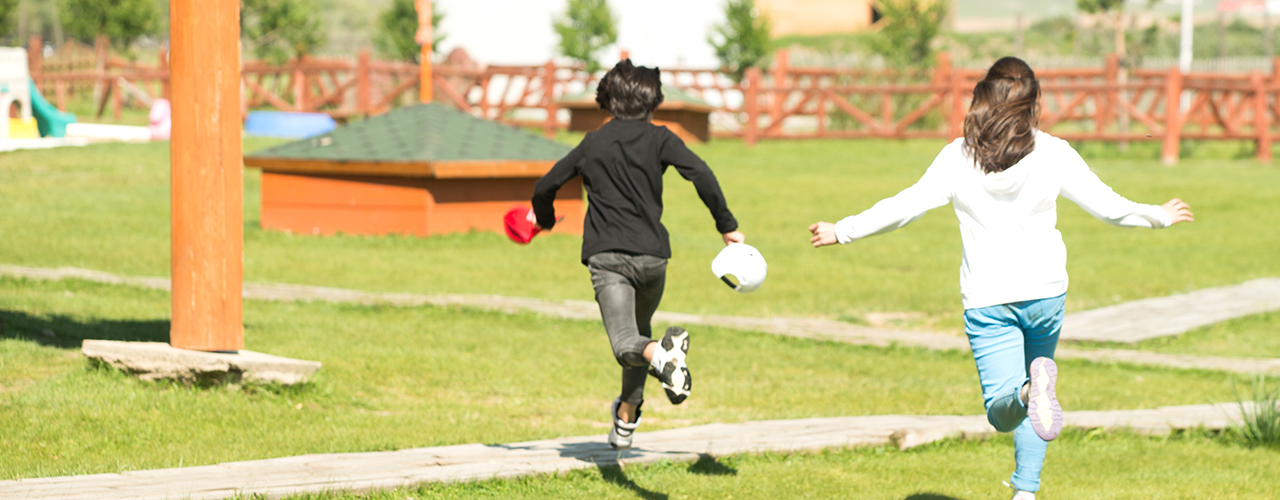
628	290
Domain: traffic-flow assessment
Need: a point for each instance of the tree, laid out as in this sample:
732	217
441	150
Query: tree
7	9
909	30
744	38
585	28
1103	8
396	29
279	30
123	21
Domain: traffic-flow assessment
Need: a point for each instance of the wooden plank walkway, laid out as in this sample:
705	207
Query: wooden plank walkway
1144	319
472	462
819	329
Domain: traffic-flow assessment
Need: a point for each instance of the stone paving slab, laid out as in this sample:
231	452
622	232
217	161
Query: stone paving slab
473	462
819	329
1144	319
160	361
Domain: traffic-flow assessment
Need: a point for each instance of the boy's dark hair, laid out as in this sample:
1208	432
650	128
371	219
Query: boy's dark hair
630	92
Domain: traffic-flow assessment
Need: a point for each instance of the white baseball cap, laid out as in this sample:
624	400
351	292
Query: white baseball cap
743	262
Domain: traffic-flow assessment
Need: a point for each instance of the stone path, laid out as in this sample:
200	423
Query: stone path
470	462
1163	316
819	329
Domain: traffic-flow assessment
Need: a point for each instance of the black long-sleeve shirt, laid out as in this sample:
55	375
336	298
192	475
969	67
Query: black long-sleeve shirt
621	165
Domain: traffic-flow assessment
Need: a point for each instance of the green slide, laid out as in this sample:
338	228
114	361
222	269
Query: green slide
50	121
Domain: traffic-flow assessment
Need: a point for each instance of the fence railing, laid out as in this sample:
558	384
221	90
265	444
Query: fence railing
1107	103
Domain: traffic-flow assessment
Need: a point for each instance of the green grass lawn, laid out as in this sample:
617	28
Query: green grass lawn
424	376
1078	466
106	207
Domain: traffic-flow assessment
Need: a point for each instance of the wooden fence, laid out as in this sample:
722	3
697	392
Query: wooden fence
1107	103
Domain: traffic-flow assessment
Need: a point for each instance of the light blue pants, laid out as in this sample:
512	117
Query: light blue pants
1004	339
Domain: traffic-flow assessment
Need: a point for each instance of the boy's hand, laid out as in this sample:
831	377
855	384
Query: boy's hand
533	218
1179	211
734	237
824	233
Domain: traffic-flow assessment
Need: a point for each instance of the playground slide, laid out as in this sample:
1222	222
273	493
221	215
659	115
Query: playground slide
50	121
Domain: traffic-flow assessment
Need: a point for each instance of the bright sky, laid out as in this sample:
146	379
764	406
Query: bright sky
519	31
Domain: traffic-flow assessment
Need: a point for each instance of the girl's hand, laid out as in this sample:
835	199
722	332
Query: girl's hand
824	233
1178	211
734	237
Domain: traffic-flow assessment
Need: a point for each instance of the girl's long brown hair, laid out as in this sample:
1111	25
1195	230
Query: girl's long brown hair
999	129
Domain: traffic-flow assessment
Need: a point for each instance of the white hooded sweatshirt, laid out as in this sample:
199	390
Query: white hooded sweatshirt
1012	249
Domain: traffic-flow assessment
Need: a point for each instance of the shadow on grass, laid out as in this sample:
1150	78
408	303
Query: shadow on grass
930	496
615	475
707	465
68	333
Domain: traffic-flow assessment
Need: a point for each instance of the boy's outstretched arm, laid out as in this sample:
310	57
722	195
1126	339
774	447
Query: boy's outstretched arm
544	191
693	169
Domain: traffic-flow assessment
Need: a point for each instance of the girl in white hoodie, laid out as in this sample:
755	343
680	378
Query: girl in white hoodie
1003	178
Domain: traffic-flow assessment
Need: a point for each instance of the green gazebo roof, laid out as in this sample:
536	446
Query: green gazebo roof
422	133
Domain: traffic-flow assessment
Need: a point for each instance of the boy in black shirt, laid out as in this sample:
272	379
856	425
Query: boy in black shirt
624	244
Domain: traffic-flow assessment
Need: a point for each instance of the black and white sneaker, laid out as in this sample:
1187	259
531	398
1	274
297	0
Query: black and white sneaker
668	365
620	435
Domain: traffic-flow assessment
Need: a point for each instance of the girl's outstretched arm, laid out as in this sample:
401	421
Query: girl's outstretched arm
1082	186
824	233
931	191
1179	211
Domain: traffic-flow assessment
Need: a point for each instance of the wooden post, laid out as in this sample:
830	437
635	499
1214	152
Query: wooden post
299	85
549	99
484	96
425	37
60	94
101	50
363	88
1261	116
1107	100
942	71
1173	116
206	187
955	119
35	57
781	60
117	100
886	114
751	104
821	114
942	78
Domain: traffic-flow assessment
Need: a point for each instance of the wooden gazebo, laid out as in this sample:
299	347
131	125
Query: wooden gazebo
421	170
684	114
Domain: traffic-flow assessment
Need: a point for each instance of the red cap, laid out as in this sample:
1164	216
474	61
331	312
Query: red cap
519	228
